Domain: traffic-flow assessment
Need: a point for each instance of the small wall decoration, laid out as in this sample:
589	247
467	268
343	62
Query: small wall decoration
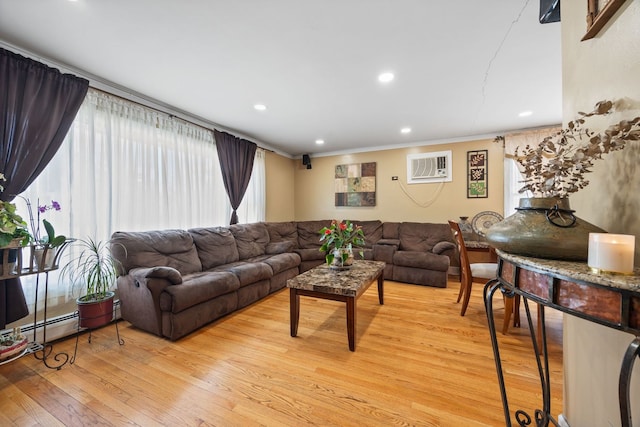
477	174
356	184
598	14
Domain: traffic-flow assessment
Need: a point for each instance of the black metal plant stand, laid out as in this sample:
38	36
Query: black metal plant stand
75	351
41	350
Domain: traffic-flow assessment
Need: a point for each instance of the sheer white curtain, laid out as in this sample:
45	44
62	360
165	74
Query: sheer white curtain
512	176
126	167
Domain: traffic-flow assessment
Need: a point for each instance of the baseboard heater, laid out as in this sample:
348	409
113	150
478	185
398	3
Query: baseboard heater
60	326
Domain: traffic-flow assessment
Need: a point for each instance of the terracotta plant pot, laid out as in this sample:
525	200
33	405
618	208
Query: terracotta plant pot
93	314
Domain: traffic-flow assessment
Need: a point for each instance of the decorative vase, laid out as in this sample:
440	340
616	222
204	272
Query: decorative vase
341	262
543	227
465	228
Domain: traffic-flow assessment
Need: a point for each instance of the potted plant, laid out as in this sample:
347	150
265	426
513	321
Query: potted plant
13	233
45	246
544	226
94	270
338	241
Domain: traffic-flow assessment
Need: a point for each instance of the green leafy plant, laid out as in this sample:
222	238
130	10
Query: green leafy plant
52	239
12	226
556	167
93	269
341	235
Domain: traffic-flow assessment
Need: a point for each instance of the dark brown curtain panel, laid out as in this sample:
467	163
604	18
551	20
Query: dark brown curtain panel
37	106
236	161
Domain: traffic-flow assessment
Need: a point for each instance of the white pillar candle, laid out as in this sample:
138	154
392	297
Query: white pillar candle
611	252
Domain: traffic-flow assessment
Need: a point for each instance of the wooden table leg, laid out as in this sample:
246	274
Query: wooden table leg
381	289
294	308
351	322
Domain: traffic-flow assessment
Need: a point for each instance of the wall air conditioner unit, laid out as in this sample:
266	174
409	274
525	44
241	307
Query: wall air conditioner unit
426	168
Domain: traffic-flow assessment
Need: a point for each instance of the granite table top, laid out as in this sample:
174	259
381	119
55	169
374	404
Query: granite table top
577	271
338	282
477	244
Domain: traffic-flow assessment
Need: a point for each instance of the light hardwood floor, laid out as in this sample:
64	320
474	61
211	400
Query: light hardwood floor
417	362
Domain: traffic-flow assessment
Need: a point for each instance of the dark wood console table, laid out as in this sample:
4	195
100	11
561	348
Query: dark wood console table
571	287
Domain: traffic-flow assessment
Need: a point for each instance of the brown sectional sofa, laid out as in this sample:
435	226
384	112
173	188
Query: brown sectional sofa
172	282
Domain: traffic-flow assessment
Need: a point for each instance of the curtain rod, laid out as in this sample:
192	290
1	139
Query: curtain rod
171	116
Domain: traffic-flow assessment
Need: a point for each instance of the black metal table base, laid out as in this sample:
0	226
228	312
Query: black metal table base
624	384
543	417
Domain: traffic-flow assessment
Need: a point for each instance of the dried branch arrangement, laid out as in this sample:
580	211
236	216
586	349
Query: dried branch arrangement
556	167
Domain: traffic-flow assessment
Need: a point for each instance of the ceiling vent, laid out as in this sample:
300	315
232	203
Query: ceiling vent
429	167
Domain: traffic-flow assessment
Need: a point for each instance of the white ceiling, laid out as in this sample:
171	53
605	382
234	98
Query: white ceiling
463	68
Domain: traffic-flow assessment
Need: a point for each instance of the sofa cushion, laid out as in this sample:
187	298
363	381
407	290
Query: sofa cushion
422	237
390	230
310	254
274	248
248	272
422	260
216	246
197	288
167	248
282	262
251	239
372	231
389	242
282	232
309	233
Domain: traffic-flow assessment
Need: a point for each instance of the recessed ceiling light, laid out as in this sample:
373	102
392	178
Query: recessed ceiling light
405	130
386	77
525	113
260	107
319	141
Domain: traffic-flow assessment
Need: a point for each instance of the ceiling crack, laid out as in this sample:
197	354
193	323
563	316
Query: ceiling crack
495	55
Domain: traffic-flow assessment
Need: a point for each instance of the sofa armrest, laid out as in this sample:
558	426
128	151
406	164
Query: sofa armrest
441	247
172	275
139	293
383	252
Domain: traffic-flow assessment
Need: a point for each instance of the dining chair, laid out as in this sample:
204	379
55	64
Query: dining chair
470	272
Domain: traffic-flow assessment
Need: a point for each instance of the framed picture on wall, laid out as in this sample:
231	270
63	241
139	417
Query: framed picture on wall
599	12
355	185
477	174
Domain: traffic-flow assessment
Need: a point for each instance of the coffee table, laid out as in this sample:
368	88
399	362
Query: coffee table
337	285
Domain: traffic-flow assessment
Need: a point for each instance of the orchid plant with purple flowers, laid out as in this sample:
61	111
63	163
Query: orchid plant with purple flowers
50	238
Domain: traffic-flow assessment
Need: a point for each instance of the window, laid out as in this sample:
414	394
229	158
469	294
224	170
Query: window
124	166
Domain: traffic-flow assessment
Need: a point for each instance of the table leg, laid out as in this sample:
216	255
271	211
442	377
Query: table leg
294	307
624	384
351	322
381	289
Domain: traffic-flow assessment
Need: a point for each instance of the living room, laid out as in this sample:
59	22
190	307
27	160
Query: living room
604	67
